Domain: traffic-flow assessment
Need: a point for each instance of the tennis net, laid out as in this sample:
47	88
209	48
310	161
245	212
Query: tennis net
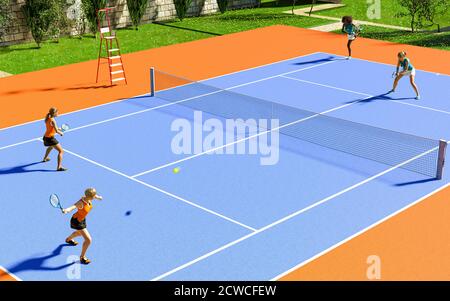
406	151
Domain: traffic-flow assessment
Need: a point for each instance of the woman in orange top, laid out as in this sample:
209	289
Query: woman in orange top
78	221
50	140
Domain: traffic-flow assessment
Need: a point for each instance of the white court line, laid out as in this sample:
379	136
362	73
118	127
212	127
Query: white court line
160	190
326	86
288	217
19	143
147	94
359	233
245	139
215	77
9	273
178	102
365	94
386	64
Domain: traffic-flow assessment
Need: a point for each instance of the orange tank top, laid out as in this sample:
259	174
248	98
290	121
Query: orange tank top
81	214
50	130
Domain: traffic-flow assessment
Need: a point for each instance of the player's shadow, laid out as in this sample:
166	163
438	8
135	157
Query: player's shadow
384	96
323	60
39	263
24	168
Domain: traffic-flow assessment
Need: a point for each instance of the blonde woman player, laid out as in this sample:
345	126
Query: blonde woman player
51	129
78	221
407	70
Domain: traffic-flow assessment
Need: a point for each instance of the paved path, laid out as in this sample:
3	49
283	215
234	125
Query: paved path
4	74
337	25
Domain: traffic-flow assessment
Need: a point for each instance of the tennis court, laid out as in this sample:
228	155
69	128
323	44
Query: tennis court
226	217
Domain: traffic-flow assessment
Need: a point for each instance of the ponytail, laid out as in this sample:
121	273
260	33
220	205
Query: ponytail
51	113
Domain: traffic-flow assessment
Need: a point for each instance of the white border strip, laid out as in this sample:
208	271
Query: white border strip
147	94
9	273
219	76
359	233
177	102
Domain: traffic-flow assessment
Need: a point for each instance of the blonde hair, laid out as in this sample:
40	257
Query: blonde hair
90	192
51	113
402	54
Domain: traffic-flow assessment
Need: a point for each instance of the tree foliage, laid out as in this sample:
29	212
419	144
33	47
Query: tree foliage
45	18
431	10
181	7
422	11
136	8
5	17
90	8
223	5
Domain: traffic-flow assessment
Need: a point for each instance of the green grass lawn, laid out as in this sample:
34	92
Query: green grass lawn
26	57
389	9
424	39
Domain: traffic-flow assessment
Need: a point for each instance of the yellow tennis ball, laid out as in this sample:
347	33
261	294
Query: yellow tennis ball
176	170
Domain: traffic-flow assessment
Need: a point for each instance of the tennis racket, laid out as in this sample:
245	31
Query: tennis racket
54	201
65	127
359	29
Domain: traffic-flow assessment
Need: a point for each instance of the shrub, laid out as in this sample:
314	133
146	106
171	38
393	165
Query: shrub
182	6
136	8
223	5
5	17
43	18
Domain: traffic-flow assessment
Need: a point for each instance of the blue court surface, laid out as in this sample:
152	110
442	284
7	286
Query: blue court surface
224	216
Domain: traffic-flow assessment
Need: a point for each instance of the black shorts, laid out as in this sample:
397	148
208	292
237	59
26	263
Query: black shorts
50	141
77	225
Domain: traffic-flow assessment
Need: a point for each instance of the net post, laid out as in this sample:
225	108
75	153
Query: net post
441	159
152	81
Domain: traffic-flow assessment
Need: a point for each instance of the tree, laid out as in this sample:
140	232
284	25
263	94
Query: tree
43	18
223	5
312	6
90	8
5	17
182	6
432	9
136	8
413	8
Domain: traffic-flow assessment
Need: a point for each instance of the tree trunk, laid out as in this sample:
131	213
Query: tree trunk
312	6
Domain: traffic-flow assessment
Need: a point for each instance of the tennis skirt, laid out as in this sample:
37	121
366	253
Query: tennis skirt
77	225
410	72
50	141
